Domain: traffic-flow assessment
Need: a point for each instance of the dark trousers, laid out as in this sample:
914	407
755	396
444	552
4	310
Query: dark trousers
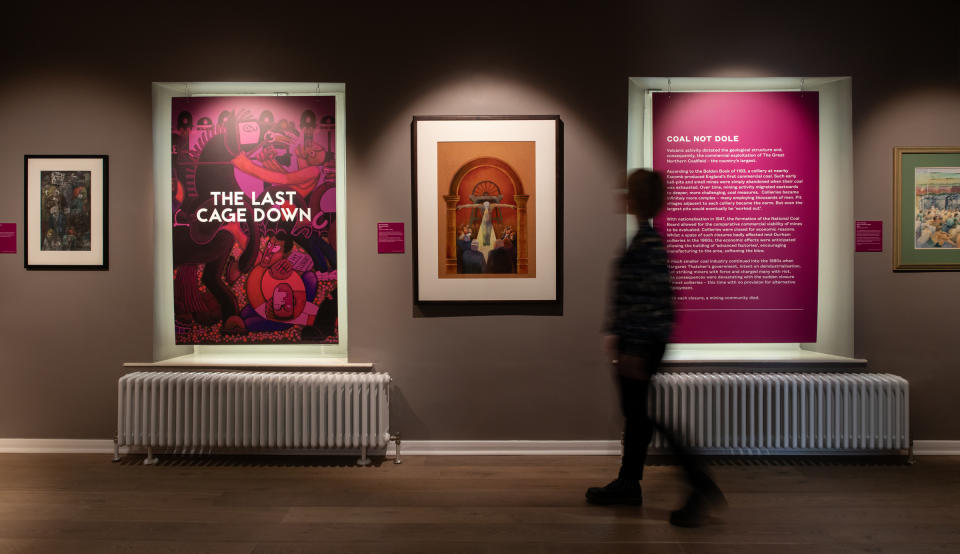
634	384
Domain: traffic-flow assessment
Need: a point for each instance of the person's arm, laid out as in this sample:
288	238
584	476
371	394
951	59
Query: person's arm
610	342
644	303
302	180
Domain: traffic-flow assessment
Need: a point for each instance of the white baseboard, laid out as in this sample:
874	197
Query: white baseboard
407	448
509	448
935	448
56	446
428	448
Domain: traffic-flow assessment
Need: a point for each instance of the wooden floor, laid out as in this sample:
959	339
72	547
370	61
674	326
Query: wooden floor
84	503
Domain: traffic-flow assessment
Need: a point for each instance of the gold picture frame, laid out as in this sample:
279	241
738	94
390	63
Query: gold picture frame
926	208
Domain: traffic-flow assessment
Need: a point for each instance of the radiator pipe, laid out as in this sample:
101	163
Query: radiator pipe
364	460
150	459
396	440
116	448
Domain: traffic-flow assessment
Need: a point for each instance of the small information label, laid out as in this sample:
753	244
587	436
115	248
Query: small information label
8	238
389	238
869	236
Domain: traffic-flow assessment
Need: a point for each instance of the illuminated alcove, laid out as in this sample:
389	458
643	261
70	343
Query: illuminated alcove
835	278
166	351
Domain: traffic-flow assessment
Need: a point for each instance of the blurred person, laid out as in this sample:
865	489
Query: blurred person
640	324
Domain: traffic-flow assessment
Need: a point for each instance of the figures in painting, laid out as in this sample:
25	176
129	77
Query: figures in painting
281	290
473	260
937	228
205	247
464	238
937	212
486	234
499	260
65	224
492	251
483	200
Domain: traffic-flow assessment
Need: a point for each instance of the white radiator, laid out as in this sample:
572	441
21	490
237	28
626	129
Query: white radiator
760	413
198	411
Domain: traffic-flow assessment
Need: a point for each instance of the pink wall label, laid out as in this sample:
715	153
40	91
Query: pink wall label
741	221
869	236
8	238
389	238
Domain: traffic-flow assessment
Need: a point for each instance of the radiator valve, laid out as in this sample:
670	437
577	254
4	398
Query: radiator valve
396	440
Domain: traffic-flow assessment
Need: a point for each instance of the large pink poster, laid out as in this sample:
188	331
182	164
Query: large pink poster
254	220
741	222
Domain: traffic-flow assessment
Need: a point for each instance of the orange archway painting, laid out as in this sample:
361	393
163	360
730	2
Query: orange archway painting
486	209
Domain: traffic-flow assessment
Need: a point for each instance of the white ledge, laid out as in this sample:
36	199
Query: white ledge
751	354
251	360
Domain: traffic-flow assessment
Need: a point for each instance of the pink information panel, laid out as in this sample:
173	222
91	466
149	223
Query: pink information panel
390	238
869	237
741	220
8	238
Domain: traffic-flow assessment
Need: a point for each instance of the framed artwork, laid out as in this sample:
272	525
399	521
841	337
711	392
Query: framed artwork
65	212
926	213
487	208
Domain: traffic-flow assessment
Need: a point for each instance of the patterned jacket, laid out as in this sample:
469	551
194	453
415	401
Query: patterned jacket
642	303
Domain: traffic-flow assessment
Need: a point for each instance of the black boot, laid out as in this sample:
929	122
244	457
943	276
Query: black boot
618	491
695	511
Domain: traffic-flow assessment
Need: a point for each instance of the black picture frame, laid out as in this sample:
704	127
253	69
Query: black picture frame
542	285
65	212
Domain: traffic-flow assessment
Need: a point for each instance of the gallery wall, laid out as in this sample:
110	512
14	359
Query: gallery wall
78	81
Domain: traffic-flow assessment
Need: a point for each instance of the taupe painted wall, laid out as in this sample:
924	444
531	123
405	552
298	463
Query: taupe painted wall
75	81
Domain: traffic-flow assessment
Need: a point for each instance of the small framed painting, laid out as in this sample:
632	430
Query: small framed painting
926	214
65	212
487	208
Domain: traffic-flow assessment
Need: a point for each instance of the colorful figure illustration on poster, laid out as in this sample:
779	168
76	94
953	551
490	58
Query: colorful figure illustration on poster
254	220
937	208
65	210
486	211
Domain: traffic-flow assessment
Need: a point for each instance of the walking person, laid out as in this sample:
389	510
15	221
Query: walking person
641	320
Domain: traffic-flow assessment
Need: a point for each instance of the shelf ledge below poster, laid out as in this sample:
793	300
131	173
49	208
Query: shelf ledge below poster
207	360
749	356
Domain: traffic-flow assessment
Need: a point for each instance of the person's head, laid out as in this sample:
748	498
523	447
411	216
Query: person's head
646	193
